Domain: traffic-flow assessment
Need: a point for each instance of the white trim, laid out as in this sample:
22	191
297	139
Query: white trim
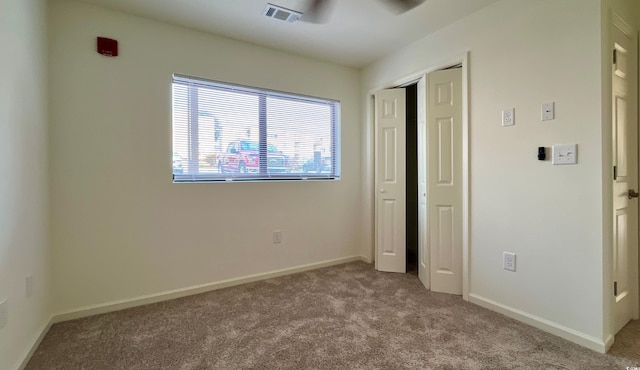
548	326
27	356
196	289
607	179
466	250
423	214
172	294
366	259
608	343
415	76
369	172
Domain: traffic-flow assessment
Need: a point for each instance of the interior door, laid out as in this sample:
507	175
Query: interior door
444	180
625	173
390	166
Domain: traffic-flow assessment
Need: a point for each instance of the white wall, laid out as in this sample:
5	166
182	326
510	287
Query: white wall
24	247
524	53
121	229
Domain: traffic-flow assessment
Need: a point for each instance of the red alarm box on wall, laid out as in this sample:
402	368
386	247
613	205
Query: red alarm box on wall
107	47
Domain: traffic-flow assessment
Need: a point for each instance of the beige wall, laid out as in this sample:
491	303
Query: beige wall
24	246
121	229
524	53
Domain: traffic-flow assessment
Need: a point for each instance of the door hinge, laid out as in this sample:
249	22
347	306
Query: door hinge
615	172
615	56
615	288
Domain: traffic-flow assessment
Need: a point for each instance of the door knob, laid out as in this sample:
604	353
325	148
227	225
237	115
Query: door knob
382	190
632	194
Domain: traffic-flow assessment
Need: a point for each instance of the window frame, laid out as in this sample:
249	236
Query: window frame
192	83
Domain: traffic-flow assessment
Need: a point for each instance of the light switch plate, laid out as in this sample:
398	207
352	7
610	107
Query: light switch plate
547	111
277	236
508	117
565	154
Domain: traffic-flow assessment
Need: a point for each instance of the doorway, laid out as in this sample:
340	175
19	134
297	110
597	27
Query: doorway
401	151
624	133
412	200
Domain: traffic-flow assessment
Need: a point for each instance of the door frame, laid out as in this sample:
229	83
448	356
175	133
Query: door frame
610	19
368	175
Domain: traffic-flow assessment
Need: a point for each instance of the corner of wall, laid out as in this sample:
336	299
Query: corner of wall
607	207
25	250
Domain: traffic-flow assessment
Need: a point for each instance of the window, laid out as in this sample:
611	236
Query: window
224	132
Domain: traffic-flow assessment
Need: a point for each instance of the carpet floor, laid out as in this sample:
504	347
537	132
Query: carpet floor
342	317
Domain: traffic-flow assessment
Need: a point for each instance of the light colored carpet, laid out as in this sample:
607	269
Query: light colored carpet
627	343
341	317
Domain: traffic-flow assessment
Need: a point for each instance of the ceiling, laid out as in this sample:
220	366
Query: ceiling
355	32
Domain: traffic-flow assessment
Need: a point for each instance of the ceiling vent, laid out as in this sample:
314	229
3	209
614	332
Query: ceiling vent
280	13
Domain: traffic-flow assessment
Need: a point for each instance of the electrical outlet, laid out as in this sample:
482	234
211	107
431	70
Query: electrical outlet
508	117
277	236
4	313
28	286
509	261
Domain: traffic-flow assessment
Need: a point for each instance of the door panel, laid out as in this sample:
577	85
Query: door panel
390	162
389	246
625	161
445	151
445	232
389	154
444	175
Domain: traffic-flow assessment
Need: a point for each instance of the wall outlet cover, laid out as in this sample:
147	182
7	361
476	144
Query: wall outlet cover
508	117
509	261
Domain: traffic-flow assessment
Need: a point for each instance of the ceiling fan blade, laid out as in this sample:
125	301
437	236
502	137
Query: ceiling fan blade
402	6
317	12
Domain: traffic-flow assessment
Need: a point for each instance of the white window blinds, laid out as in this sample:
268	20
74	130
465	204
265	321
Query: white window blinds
225	132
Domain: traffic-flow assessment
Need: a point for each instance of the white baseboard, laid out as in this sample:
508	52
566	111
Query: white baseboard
196	289
164	296
609	342
35	344
569	334
366	259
